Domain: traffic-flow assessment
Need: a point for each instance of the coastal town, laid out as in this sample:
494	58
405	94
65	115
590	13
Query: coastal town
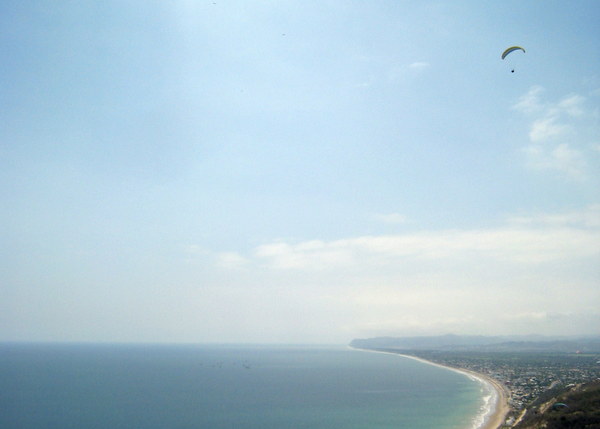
525	375
530	380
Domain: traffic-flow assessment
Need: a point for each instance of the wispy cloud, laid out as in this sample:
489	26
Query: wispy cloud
588	218
391	218
523	239
231	260
555	322
561	157
546	128
437	281
313	255
401	72
531	101
513	245
562	134
419	65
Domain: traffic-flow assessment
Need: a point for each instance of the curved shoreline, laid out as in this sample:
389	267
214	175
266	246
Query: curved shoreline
496	416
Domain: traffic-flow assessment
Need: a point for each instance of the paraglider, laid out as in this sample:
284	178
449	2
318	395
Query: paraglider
509	50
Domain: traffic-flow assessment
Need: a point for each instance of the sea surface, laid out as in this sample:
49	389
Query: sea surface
233	387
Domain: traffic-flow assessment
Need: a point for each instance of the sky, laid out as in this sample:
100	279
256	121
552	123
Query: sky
298	171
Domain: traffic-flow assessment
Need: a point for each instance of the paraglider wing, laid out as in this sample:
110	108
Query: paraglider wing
511	49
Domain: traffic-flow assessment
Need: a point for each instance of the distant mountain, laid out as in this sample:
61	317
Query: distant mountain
529	343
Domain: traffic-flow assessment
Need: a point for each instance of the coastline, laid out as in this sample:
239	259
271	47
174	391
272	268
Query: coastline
495	416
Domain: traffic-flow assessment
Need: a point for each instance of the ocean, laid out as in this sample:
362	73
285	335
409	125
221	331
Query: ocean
233	387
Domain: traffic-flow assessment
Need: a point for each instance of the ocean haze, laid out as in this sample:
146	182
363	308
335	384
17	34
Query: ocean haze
514	344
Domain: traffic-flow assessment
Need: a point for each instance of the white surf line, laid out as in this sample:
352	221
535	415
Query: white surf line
483	419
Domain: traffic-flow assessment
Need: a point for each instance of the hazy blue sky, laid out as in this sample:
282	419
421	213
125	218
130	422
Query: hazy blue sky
298	171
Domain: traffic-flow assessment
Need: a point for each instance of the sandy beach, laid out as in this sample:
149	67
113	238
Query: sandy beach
498	411
498	416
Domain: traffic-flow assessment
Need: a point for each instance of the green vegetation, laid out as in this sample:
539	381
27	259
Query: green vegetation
577	407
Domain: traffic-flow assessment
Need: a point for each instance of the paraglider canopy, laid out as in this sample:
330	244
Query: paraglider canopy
511	49
508	51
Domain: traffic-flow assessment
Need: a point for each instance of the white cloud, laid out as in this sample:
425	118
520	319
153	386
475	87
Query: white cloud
569	160
391	218
310	254
504	280
527	316
586	218
572	105
526	240
194	249
545	129
231	260
561	158
560	133
530	102
419	65
198	255
555	322
401	72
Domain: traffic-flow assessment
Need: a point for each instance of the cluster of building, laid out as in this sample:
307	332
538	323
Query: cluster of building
526	376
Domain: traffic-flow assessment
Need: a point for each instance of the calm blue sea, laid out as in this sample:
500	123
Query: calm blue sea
233	387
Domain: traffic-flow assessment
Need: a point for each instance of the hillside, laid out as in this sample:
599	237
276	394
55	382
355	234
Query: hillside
576	408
